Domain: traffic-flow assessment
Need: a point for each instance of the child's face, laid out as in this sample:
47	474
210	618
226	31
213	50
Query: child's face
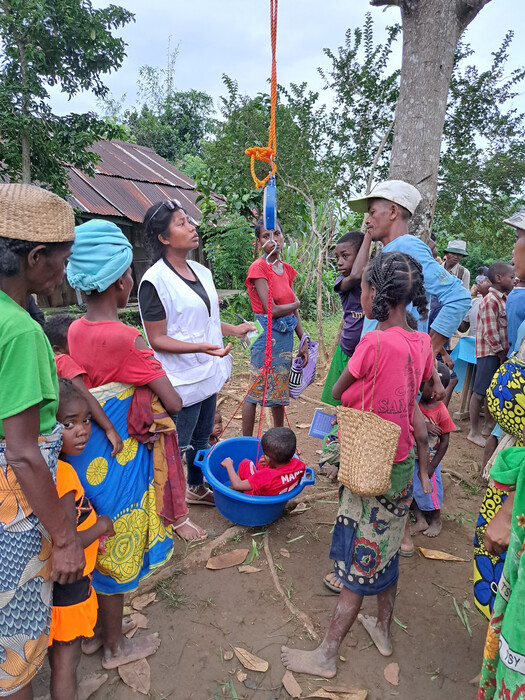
217	429
345	255
426	390
507	279
75	416
265	243
367	295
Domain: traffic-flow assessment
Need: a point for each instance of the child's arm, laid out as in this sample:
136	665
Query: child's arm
103	526
440	452
98	415
278	310
345	380
421	439
235	482
354	278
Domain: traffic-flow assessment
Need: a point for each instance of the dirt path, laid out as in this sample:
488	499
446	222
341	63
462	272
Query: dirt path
201	614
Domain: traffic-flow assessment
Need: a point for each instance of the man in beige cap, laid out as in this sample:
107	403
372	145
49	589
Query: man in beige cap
518	221
389	207
454	252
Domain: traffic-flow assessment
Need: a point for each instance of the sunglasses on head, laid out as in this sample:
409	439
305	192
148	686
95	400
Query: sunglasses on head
171	204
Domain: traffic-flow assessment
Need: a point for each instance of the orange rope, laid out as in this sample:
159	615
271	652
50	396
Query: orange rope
267	154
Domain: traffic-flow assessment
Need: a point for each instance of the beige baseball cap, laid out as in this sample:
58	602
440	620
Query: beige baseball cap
517	220
397	191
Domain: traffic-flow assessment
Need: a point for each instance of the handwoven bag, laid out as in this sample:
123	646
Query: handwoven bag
368	445
302	376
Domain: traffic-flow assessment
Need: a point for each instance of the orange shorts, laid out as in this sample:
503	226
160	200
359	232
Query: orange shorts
69	622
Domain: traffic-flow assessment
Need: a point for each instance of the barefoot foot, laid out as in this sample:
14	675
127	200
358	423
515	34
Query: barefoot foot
131	650
90	684
313	662
93	644
434	528
419	526
380	639
477	439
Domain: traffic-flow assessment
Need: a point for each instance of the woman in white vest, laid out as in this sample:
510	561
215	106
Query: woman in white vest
179	308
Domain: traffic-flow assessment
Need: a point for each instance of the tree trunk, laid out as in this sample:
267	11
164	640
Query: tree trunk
25	144
431	31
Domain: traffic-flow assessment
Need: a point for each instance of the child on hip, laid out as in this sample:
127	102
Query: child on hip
276	472
74	613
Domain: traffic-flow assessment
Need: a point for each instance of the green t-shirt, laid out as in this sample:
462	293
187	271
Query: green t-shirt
28	375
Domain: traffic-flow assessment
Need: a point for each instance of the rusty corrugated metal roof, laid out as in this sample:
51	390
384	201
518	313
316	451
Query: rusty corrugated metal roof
128	180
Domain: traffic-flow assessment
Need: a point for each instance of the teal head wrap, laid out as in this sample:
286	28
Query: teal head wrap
101	254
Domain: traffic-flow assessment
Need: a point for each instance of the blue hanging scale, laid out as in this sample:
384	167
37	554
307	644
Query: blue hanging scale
270	207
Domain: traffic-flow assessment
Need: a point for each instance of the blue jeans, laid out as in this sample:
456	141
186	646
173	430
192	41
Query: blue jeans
194	427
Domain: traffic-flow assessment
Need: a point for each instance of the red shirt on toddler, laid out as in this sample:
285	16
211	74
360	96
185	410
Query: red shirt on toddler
266	481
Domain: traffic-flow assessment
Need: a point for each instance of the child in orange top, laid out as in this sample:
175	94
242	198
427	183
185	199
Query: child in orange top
75	606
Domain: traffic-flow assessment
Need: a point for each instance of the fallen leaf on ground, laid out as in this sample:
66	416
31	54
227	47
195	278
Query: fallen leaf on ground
300	508
284	553
241	676
248	569
391	673
339	693
250	661
237	417
224	561
291	686
140	620
141	601
89	685
137	675
437	554
131	633
126	610
302	425
228	655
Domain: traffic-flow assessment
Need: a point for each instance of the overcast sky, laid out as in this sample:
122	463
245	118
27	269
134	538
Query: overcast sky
232	37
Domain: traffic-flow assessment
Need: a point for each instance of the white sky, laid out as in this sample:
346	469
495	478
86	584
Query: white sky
232	37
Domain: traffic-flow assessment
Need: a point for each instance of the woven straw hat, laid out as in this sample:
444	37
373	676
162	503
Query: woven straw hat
29	213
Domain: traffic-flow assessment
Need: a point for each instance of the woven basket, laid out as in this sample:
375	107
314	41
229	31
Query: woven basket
29	213
368	446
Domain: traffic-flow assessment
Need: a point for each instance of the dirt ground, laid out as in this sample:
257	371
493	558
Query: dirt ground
201	614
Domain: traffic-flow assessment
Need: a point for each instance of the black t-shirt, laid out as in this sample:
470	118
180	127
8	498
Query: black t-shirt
151	306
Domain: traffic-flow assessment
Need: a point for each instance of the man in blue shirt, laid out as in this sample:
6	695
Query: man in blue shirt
389	207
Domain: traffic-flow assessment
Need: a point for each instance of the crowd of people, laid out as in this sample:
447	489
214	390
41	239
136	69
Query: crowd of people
97	422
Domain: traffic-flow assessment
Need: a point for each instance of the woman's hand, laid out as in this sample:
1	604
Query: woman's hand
243	328
303	351
447	360
433	429
214	350
106	522
438	391
497	534
115	440
67	561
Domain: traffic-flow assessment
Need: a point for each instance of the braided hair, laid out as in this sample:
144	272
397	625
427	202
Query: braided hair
397	279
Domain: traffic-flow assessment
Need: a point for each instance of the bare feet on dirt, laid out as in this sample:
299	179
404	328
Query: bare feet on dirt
477	439
313	662
93	644
90	684
419	526
434	527
131	650
380	639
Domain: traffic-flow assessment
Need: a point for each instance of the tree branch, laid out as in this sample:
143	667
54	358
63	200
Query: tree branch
380	3
468	9
377	156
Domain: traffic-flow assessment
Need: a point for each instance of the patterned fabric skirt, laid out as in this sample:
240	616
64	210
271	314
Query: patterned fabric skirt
123	488
25	571
282	349
368	533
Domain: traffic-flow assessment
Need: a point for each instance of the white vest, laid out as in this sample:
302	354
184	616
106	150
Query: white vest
196	376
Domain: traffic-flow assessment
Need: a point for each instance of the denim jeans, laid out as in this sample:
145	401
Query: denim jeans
194	427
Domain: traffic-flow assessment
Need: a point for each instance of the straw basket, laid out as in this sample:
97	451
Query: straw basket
368	445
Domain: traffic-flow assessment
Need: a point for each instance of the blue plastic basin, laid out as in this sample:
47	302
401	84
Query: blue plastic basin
236	506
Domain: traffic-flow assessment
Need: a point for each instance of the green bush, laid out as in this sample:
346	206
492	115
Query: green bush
230	248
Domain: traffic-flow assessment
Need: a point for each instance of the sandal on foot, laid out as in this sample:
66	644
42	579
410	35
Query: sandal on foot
203	499
188	522
331	586
407	552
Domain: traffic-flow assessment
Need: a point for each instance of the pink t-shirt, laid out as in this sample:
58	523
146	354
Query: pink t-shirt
271	482
405	360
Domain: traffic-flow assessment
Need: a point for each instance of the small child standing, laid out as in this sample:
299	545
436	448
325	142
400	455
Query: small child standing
276	472
492	344
75	606
351	254
439	424
385	372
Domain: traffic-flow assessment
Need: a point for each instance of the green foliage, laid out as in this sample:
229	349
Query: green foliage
230	250
46	43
